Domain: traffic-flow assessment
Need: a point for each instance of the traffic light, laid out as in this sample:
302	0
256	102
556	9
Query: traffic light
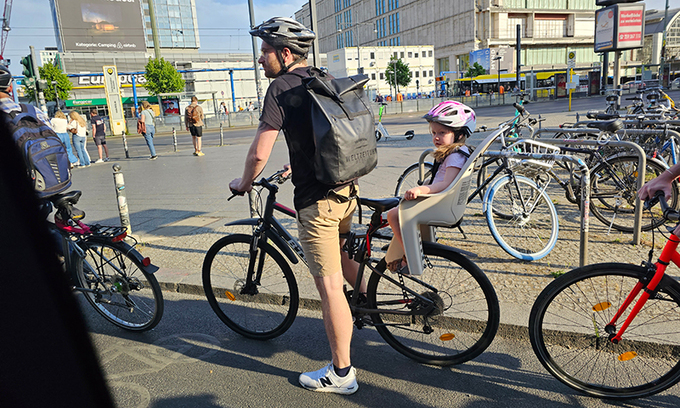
27	62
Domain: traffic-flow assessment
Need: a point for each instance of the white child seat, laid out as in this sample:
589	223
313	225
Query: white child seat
440	209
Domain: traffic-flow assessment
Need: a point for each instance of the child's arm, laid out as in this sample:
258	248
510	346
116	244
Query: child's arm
449	176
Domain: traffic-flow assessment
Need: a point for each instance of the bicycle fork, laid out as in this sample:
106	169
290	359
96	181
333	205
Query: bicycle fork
648	285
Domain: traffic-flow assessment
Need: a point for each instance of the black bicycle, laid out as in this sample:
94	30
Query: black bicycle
112	275
448	315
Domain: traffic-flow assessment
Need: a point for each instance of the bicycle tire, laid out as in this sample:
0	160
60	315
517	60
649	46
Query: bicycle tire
528	235
123	293
410	178
569	317
613	189
463	323
270	309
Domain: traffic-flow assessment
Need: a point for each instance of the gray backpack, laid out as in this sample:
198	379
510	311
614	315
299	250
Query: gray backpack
343	127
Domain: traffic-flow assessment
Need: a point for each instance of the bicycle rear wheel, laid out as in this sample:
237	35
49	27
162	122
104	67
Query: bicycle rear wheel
521	218
115	283
465	314
411	178
260	308
614	189
567	332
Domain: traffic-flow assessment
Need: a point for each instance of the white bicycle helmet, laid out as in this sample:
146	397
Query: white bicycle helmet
453	114
280	32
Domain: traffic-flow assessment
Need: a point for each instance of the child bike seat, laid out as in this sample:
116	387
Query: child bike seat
443	209
72	197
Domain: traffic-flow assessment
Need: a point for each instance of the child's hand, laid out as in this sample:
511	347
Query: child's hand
412	194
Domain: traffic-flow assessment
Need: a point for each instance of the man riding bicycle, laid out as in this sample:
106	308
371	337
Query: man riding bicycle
323	211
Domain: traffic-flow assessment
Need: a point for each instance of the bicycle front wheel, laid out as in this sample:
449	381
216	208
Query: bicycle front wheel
521	218
614	189
411	178
115	283
567	327
448	315
259	305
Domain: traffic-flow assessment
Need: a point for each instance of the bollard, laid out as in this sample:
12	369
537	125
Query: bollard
221	135
174	139
120	196
578	118
125	146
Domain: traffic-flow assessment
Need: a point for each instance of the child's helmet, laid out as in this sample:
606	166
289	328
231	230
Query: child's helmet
453	114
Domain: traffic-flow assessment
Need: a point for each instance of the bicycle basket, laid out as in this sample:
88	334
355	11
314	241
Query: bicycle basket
531	146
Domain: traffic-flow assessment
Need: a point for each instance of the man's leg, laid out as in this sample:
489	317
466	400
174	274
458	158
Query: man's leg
106	150
99	149
337	318
193	139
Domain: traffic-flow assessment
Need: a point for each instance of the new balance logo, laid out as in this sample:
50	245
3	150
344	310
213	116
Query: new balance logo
325	381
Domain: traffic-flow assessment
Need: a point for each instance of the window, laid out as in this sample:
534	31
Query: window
429	54
373	77
416	56
417	74
382	75
410	55
395	55
373	57
402	55
424	74
431	74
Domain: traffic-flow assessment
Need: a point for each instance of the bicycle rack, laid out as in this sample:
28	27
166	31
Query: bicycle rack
642	163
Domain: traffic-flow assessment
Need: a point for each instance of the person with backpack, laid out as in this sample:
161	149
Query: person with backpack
77	126
324	211
146	117
193	117
44	153
99	135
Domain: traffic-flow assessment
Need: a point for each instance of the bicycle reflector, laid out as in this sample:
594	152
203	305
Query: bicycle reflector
447	337
601	306
629	355
229	295
120	237
146	261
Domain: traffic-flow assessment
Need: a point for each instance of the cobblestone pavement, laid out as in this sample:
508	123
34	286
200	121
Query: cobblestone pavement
178	210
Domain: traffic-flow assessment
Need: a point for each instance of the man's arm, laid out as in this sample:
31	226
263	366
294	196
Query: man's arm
257	157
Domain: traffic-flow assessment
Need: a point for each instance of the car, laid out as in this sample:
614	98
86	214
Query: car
675	84
632	85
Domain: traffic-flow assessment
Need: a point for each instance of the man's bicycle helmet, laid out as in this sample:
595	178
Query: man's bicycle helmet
453	114
282	32
5	78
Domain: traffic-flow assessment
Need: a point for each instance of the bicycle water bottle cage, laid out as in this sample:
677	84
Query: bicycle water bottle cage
444	209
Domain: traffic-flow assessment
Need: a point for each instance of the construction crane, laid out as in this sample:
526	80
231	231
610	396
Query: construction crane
7	12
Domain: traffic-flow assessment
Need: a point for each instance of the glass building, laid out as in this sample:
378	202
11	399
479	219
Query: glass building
176	23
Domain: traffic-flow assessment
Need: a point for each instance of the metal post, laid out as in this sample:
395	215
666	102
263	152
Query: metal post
174	139
617	77
119	182
221	135
40	96
154	30
125	146
519	55
256	52
315	28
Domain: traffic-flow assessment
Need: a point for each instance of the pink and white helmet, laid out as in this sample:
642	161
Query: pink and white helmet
453	114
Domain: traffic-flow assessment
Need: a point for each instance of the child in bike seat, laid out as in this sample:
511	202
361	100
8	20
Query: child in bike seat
451	123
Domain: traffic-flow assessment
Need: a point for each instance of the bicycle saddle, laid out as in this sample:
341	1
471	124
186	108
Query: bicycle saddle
380	204
601	115
612	98
635	98
72	197
607	125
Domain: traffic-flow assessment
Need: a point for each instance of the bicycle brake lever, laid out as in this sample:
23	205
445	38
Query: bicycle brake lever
235	193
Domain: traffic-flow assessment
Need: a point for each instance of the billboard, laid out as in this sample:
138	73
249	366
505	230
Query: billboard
100	25
619	27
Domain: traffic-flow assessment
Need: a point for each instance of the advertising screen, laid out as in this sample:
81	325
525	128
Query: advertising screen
619	27
100	25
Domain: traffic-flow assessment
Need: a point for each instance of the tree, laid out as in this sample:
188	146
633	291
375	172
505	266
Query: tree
475	70
49	73
162	77
403	77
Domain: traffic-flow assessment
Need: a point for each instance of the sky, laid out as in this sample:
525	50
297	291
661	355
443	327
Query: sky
223	24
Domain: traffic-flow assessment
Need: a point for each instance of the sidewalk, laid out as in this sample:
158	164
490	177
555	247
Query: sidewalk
178	209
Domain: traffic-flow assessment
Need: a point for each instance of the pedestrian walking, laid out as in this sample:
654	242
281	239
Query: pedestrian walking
149	129
77	127
99	135
193	117
60	125
323	211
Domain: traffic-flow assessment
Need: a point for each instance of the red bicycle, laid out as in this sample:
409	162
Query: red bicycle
612	330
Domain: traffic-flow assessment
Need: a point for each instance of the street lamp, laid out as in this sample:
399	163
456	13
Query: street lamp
356	35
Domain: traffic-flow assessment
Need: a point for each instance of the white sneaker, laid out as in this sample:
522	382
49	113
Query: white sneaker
99	161
325	380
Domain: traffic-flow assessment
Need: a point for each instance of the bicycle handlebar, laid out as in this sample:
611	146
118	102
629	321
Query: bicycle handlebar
264	182
668	213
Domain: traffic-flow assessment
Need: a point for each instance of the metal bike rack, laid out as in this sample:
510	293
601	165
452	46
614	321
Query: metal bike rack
642	161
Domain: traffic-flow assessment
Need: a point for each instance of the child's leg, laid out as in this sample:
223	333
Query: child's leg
395	252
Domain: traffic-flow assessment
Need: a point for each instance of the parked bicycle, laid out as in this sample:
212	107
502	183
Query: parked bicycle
447	315
611	330
111	274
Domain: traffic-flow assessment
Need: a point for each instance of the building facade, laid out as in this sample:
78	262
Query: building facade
549	30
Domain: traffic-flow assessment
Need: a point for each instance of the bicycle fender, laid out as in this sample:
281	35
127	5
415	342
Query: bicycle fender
459	251
245	221
150	269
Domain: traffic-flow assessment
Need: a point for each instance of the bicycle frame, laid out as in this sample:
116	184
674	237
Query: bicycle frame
668	255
